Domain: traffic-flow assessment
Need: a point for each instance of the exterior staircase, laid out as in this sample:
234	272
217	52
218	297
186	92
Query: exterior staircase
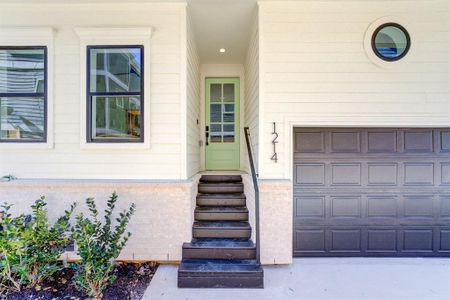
221	254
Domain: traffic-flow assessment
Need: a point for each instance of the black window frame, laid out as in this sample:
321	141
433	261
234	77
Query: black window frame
43	95
405	32
89	95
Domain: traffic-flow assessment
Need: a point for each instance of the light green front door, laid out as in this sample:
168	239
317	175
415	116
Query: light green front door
222	124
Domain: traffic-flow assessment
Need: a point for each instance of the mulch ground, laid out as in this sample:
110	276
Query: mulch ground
132	281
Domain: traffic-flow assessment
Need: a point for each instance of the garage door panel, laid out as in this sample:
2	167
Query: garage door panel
445	173
345	207
346	174
348	141
417	240
382	240
444	141
310	240
419	173
444	207
345	240
310	207
382	206
418	141
382	141
372	192
310	142
310	174
418	206
382	173
444	240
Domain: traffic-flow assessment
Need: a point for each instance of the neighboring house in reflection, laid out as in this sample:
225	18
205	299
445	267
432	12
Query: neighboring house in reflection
21	117
117	72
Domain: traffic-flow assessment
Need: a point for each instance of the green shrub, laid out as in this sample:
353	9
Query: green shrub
11	249
30	247
45	243
98	245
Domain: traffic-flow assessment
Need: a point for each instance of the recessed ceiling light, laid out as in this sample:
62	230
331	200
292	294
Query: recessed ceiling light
222	50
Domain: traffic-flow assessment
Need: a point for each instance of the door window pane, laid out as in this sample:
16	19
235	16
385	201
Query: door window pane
116	117
216	133
228	113
216	113
228	133
115	70
228	92
22	118
216	92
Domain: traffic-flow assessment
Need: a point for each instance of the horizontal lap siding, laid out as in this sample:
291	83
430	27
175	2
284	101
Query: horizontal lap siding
193	104
67	160
315	67
251	68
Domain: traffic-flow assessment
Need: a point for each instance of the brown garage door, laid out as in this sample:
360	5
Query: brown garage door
371	192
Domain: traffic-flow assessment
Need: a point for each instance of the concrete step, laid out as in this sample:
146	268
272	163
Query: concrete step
219	249
221	213
232	230
221	200
220	188
200	273
221	178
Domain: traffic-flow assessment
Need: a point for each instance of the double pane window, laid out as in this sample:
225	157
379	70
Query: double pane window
23	94
115	94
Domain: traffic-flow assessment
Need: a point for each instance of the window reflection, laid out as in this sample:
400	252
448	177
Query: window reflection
116	93
22	94
117	117
116	70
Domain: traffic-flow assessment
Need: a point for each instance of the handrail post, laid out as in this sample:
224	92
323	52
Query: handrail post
256	187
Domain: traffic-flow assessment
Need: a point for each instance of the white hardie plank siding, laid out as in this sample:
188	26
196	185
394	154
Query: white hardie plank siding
315	70
163	160
193	103
251	69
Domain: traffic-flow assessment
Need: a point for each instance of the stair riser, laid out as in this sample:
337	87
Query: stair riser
219	253
234	189
231	281
221	216
221	178
220	233
221	202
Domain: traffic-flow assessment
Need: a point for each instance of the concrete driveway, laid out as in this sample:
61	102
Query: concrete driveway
327	278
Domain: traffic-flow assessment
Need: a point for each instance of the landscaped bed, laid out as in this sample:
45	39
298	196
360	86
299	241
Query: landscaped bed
31	248
131	283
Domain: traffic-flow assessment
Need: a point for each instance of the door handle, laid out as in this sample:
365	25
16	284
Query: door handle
207	135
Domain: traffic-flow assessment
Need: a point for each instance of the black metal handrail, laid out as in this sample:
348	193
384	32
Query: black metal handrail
255	186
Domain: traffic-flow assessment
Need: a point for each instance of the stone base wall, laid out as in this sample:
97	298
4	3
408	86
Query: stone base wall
163	218
276	215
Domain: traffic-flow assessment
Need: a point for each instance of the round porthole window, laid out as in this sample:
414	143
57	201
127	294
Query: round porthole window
391	42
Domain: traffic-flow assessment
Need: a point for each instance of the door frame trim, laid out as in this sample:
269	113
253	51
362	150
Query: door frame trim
237	120
221	71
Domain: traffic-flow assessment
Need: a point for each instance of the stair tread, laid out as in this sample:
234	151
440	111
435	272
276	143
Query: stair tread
220	183
220	196
222	224
219	243
216	266
221	209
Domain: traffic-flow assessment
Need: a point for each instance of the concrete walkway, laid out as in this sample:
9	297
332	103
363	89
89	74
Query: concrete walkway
327	278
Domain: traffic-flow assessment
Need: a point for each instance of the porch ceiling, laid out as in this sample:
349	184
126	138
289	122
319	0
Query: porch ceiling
222	24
